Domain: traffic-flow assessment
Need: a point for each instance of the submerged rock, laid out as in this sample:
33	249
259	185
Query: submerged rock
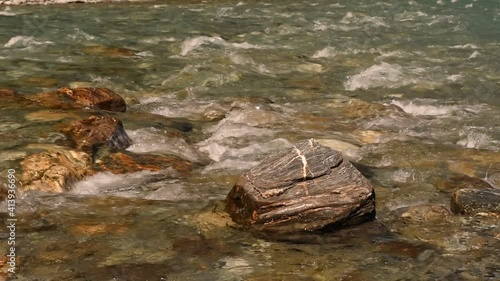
54	171
469	201
95	98
462	181
97	131
127	162
306	188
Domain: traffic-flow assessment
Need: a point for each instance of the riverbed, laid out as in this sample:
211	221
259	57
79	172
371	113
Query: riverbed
408	91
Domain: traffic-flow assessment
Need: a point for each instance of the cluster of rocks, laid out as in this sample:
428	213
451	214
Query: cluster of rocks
59	166
311	188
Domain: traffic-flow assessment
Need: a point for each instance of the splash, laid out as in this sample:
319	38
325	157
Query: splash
379	75
192	44
430	110
24	41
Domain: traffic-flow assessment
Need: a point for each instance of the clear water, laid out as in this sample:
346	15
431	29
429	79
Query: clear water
409	89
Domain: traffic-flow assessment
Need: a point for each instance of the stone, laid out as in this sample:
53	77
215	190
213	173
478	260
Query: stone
96	131
54	171
71	98
127	162
469	201
303	189
461	181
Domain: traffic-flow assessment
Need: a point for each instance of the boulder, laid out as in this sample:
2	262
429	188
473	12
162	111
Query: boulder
94	98
469	201
305	188
54	171
96	131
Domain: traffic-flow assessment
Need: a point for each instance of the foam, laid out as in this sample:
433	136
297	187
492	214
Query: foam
379	75
103	182
430	110
147	140
326	52
24	41
192	44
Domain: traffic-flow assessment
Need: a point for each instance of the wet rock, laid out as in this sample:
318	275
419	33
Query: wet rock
54	171
50	115
70	98
468	201
426	213
7	93
461	181
127	162
97	131
109	51
306	188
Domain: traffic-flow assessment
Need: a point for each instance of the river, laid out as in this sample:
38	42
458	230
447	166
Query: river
408	90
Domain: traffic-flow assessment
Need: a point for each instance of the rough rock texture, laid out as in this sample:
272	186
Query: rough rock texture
97	131
468	201
54	171
306	188
95	98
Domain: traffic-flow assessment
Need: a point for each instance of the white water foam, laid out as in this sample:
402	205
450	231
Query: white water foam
100	182
379	75
326	52
192	44
147	140
7	12
465	46
475	140
24	41
430	110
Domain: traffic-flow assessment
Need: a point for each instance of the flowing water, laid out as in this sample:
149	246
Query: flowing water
408	90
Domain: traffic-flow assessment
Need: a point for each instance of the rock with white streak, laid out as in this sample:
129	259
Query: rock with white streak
307	188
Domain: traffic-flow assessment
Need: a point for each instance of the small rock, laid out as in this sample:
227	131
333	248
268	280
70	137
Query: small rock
54	171
426	213
468	201
94	98
306	188
109	51
97	131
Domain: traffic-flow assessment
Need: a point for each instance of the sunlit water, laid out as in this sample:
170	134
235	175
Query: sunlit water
410	90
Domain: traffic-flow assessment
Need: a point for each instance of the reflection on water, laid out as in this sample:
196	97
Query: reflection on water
409	91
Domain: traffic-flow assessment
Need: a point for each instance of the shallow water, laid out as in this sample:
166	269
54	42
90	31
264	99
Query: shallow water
409	91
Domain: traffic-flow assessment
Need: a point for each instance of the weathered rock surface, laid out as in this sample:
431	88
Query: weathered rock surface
95	98
469	201
306	188
54	171
97	131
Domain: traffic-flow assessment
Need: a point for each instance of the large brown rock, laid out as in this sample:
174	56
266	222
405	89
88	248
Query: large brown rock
55	170
96	131
94	98
305	188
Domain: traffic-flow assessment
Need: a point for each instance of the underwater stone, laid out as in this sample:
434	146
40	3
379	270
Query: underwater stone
302	189
94	98
96	131
469	201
